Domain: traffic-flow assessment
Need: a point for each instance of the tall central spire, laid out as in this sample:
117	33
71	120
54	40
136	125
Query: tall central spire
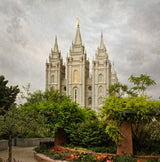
78	35
102	44
56	45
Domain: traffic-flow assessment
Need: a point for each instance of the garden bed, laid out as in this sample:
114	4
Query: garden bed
67	154
143	158
44	158
59	153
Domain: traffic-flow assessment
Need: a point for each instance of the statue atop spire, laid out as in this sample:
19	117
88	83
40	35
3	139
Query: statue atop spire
78	34
56	45
102	44
77	21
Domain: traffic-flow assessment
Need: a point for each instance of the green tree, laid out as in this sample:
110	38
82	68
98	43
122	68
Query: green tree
7	98
141	83
57	108
135	107
7	94
15	121
39	96
118	90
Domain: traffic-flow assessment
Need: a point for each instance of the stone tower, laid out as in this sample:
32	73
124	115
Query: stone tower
77	71
55	70
101	75
84	89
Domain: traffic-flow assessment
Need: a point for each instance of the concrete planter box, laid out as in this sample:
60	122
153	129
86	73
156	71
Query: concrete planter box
146	157
46	139
24	142
3	145
27	142
30	142
43	158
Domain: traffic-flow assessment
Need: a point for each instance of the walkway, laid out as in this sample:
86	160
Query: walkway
24	154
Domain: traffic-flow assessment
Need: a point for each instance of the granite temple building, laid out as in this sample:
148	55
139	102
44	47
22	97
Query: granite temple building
74	78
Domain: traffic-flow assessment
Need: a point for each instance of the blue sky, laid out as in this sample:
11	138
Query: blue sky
131	32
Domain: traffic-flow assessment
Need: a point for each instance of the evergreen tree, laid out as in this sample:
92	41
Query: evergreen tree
7	95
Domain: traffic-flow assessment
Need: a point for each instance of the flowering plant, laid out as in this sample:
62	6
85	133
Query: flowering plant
59	153
74	155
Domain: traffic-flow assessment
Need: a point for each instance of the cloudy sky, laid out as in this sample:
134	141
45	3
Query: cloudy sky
131	31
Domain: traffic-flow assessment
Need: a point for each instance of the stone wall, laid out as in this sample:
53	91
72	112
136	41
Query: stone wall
43	158
60	137
3	145
24	142
29	142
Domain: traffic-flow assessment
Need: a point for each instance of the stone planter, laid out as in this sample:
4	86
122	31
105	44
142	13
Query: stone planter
60	137
3	145
43	158
30	142
126	145
145	158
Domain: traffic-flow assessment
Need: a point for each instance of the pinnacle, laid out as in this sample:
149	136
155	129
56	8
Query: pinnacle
101	43
78	36
56	45
113	68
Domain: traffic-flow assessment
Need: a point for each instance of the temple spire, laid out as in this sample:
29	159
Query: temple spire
102	44
56	45
78	34
77	21
113	69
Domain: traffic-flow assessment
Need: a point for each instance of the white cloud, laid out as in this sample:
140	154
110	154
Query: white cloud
28	28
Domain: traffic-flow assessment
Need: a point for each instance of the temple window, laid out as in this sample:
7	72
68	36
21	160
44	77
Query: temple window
52	79
100	90
76	95
100	78
89	101
89	88
75	76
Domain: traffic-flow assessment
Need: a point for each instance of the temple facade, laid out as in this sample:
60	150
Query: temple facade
75	79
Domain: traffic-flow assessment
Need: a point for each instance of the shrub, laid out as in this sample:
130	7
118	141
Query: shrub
44	146
89	134
125	158
110	149
153	160
41	149
143	140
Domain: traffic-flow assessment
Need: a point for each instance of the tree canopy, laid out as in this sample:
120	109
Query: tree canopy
129	104
57	108
15	121
140	84
7	94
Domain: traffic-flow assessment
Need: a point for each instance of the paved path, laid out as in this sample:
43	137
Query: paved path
24	154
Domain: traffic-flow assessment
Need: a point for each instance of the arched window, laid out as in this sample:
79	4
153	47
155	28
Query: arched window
75	76
75	95
100	78
52	79
89	88
89	101
100	100
100	90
